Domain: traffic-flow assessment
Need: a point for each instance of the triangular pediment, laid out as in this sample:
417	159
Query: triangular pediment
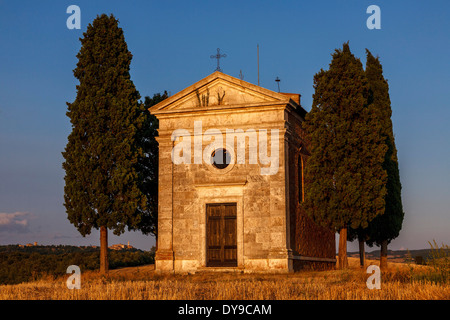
218	90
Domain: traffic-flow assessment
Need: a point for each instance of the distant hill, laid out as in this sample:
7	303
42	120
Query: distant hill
24	263
52	249
399	255
59	249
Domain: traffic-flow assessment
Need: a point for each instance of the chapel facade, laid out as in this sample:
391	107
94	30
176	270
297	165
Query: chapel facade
231	161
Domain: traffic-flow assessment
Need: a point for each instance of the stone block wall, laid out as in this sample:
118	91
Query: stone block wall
185	190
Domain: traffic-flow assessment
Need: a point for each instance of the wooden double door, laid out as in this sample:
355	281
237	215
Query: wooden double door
221	239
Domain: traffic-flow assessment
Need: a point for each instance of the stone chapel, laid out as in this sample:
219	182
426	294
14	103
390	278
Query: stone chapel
231	159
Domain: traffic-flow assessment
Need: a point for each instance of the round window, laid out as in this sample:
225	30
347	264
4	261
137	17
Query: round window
220	158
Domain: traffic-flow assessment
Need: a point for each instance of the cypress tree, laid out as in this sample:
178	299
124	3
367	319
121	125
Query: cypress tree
383	229
101	189
344	179
148	165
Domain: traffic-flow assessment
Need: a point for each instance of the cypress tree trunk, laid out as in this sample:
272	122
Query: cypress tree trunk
362	253
383	254
342	255
104	265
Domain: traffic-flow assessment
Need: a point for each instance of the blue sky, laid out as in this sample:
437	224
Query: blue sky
171	43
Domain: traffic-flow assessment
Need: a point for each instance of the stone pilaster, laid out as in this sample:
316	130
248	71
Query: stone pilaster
164	256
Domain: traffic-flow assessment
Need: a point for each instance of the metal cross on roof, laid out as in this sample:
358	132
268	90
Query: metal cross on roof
278	82
218	56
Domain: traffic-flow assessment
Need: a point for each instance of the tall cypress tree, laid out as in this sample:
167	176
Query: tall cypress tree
148	165
383	229
102	188
344	178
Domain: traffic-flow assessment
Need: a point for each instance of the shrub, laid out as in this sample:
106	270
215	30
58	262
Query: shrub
419	260
440	262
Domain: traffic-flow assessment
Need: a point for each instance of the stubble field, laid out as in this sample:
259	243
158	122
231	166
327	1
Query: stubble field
399	282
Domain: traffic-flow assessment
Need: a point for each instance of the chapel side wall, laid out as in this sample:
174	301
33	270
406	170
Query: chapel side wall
306	237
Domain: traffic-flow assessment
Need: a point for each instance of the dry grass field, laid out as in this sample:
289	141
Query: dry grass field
399	282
